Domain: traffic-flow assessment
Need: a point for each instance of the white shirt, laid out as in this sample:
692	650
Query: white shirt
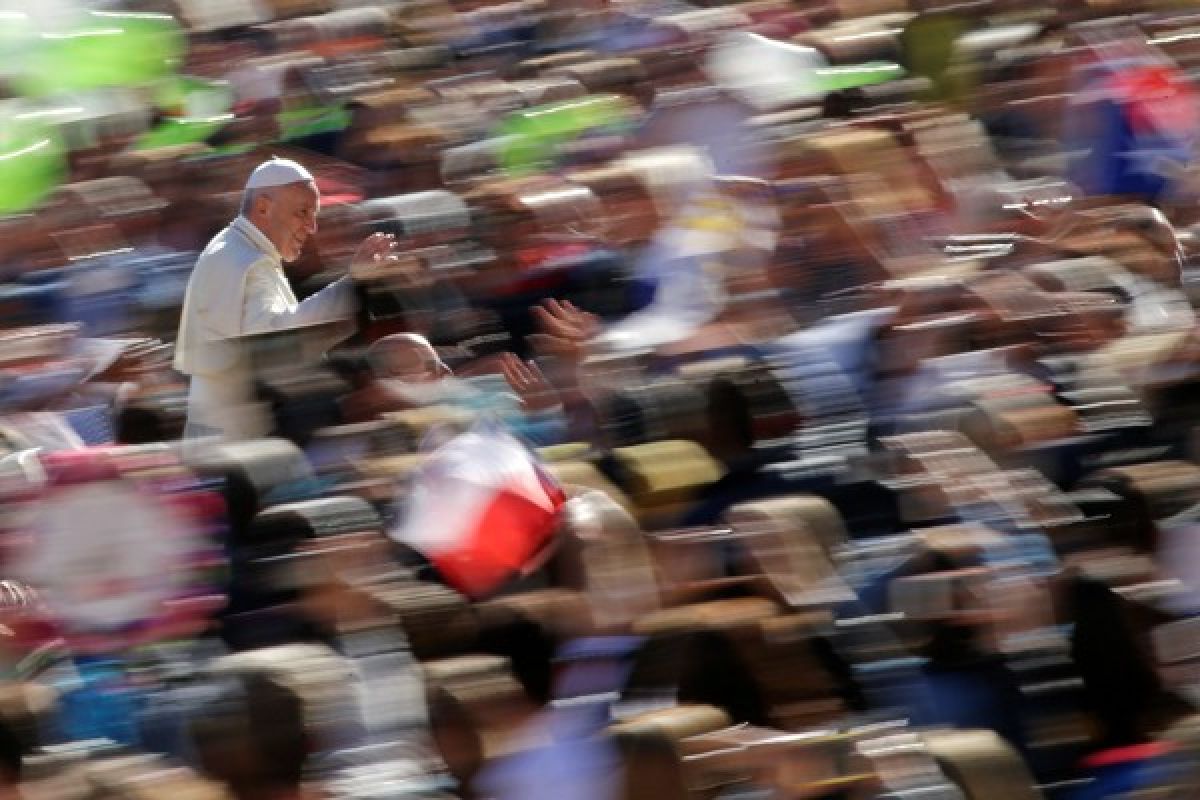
238	287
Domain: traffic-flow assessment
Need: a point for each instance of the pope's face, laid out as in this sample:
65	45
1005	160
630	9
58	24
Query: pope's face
290	217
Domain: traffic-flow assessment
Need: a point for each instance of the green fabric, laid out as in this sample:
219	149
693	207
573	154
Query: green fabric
532	136
102	49
173	132
179	93
186	92
32	164
312	121
835	79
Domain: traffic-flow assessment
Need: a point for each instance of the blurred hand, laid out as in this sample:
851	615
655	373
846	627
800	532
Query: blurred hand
375	252
527	380
565	330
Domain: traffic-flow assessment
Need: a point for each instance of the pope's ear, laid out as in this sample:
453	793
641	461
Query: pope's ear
258	202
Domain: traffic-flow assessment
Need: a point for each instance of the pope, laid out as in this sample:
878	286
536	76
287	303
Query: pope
238	288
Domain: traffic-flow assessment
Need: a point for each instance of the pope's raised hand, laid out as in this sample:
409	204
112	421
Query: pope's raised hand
374	254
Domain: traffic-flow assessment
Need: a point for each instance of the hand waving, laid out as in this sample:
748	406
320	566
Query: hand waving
376	251
527	380
565	329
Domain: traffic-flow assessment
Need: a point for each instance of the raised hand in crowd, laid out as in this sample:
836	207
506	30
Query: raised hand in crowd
565	330
529	383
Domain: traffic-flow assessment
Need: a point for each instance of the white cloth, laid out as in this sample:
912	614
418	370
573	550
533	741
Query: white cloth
214	15
237	288
278	172
688	262
1154	307
254	83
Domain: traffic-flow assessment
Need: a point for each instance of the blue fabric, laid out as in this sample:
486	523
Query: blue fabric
1114	781
896	687
825	370
816	382
164	720
591	673
589	647
100	704
983	696
1120	780
34	388
873	589
892	686
1120	160
164	285
293	491
94	425
495	397
567	768
846	340
45	277
34	305
103	295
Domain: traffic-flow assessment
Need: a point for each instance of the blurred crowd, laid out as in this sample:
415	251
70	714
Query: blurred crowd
785	398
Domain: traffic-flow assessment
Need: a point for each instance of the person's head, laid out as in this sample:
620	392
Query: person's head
745	407
253	739
12	751
406	357
281	200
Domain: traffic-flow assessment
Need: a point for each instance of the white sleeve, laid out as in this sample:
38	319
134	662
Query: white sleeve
269	305
267	302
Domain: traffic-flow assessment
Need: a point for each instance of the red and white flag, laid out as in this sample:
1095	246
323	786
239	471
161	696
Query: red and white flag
481	509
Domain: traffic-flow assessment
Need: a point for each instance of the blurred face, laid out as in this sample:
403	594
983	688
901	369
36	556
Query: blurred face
413	363
287	215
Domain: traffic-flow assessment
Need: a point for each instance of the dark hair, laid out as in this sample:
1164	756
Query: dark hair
12	751
528	646
729	407
702	667
622	419
351	367
253	737
751	405
1120	687
844	103
148	422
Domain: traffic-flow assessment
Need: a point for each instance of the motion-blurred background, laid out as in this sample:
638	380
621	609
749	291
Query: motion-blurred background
810	405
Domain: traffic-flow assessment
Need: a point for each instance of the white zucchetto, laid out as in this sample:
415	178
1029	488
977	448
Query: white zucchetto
278	172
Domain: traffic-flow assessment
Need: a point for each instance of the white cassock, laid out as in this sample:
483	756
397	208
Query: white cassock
237	288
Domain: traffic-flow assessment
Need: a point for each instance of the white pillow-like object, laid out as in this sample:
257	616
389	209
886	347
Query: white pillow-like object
765	73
